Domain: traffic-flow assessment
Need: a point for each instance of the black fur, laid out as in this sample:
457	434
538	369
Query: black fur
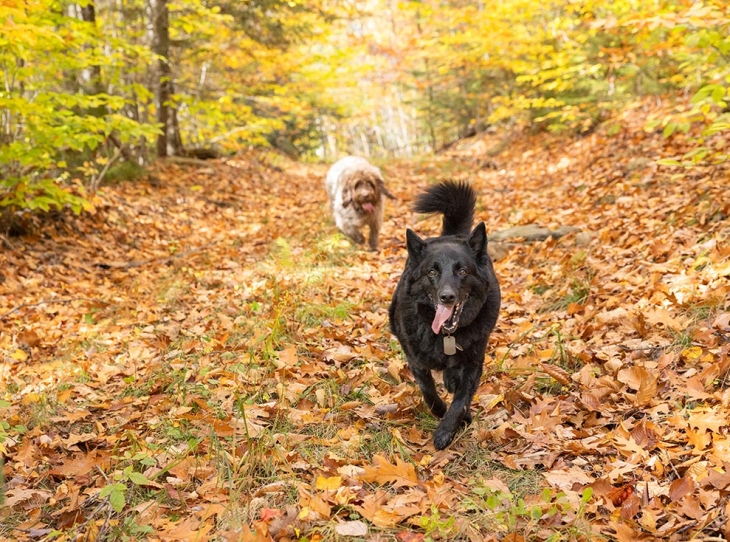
458	211
448	270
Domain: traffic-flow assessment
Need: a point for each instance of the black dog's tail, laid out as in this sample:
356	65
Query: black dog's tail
455	200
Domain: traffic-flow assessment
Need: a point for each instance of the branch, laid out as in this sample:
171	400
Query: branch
7	242
49	301
125	152
140	263
187	161
95	182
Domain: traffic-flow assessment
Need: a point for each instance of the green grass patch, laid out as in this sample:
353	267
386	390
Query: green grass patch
313	315
123	172
578	292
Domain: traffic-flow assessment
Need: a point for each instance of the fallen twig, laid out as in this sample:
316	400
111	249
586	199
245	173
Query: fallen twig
140	263
188	161
48	301
7	242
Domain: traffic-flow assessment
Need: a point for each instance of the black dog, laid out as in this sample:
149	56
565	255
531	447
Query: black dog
446	305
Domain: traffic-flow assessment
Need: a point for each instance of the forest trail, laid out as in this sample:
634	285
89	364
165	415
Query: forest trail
206	357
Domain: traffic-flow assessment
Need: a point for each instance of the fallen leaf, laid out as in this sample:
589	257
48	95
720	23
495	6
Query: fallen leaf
559	374
400	474
680	488
351	528
331	483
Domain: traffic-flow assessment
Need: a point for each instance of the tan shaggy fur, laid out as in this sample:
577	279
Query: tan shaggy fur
356	193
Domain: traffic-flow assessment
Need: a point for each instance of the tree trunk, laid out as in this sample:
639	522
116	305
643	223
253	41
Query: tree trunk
161	47
92	74
427	67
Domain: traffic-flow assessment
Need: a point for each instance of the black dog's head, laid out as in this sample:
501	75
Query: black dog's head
450	276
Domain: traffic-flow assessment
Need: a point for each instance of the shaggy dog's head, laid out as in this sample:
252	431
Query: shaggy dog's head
363	190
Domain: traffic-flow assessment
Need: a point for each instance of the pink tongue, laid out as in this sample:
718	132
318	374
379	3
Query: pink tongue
443	313
368	207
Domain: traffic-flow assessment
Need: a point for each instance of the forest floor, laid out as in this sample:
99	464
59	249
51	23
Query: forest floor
205	358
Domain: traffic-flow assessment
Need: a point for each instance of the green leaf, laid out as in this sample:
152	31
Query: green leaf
703	93
718	95
108	489
668	162
492	502
117	500
139	478
587	494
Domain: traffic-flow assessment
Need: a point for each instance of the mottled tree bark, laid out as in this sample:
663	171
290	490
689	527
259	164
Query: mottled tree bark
159	14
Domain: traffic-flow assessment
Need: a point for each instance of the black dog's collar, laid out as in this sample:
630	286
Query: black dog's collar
451	346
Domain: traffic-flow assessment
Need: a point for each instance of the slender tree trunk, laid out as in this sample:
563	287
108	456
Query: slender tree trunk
161	47
92	74
427	66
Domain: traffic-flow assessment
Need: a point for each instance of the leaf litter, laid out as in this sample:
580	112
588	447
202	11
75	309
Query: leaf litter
205	357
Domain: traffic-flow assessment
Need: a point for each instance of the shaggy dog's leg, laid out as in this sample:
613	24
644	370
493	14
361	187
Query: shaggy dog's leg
350	230
373	237
375	224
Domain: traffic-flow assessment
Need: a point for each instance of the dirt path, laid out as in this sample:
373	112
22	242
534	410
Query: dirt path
205	357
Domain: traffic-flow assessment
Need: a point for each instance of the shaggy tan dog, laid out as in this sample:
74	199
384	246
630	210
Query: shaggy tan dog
356	189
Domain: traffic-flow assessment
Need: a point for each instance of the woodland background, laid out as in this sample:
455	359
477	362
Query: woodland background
93	90
190	351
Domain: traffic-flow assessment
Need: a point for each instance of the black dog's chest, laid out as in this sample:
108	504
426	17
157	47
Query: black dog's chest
434	354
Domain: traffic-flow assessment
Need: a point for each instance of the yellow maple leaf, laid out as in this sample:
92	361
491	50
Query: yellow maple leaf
383	472
19	355
333	482
704	419
692	353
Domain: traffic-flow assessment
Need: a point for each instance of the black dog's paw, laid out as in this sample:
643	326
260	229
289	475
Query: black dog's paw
442	437
447	429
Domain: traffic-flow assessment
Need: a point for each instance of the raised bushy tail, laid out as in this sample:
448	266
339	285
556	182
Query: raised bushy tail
453	199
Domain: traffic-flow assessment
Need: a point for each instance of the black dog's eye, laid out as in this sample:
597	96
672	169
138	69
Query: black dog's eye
463	271
433	273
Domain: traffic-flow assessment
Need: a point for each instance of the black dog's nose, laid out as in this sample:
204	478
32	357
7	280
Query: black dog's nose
447	298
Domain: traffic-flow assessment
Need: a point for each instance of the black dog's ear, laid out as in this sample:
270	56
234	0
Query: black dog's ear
478	241
414	244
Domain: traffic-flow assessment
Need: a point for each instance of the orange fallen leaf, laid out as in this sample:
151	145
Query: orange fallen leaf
400	474
558	373
409	536
619	495
680	488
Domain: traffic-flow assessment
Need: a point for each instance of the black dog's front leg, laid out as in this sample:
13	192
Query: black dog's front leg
428	389
464	387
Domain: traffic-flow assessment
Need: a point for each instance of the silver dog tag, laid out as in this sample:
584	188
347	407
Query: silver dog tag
449	345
